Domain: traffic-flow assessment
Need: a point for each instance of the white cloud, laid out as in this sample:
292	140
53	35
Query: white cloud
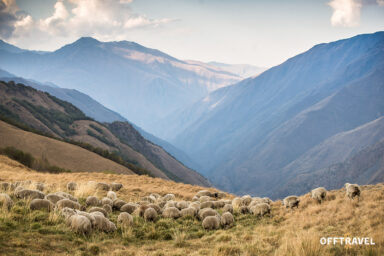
346	13
105	20
380	2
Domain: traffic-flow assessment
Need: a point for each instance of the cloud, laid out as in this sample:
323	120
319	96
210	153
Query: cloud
346	13
105	20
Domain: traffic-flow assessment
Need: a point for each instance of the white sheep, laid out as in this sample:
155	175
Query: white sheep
29	193
5	201
125	219
106	200
54	198
319	194
71	186
117	204
67	203
150	214
116	186
206	212
260	209
129	207
291	201
188	212
92	201
352	190
228	208
171	212
112	195
227	219
40	204
80	224
211	222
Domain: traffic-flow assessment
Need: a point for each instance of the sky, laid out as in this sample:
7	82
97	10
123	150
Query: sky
258	32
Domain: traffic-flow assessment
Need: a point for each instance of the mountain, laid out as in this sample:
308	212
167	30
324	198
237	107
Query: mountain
41	112
140	83
246	134
89	106
57	153
95	110
243	70
10	48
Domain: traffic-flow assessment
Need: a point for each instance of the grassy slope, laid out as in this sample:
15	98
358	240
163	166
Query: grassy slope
58	153
285	232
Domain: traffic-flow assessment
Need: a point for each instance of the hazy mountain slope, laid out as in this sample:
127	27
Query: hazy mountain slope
89	106
245	134
157	155
338	148
50	115
243	70
97	111
364	167
140	83
58	153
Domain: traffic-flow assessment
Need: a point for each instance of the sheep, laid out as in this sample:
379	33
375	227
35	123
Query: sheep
155	195
67	212
352	190
220	195
156	207
227	219
149	199
71	186
92	201
267	200
218	204
80	224
244	209
112	195
107	208
195	198
203	199
260	209
182	205
203	193
150	214
228	208
102	186
319	194
206	212
291	201
170	204
88	215
68	203
246	200
169	197
188	212
98	209
39	204
66	195
117	204
102	223
116	186
171	212
29	193
236	202
107	200
5	201
208	204
195	205
211	222
129	208
125	219
54	198
39	186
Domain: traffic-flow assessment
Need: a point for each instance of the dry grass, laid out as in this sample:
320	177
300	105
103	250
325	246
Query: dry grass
284	232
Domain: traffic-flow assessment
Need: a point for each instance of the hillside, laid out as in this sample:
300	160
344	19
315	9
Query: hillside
97	111
58	153
49	115
140	83
282	232
245	135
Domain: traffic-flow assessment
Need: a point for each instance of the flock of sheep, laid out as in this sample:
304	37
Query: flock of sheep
204	205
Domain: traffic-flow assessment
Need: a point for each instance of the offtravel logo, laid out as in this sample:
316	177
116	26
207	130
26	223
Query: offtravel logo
347	241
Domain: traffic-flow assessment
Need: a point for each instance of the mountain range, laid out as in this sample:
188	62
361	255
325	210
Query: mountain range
255	136
39	112
140	83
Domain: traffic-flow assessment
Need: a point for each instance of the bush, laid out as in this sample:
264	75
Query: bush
19	156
